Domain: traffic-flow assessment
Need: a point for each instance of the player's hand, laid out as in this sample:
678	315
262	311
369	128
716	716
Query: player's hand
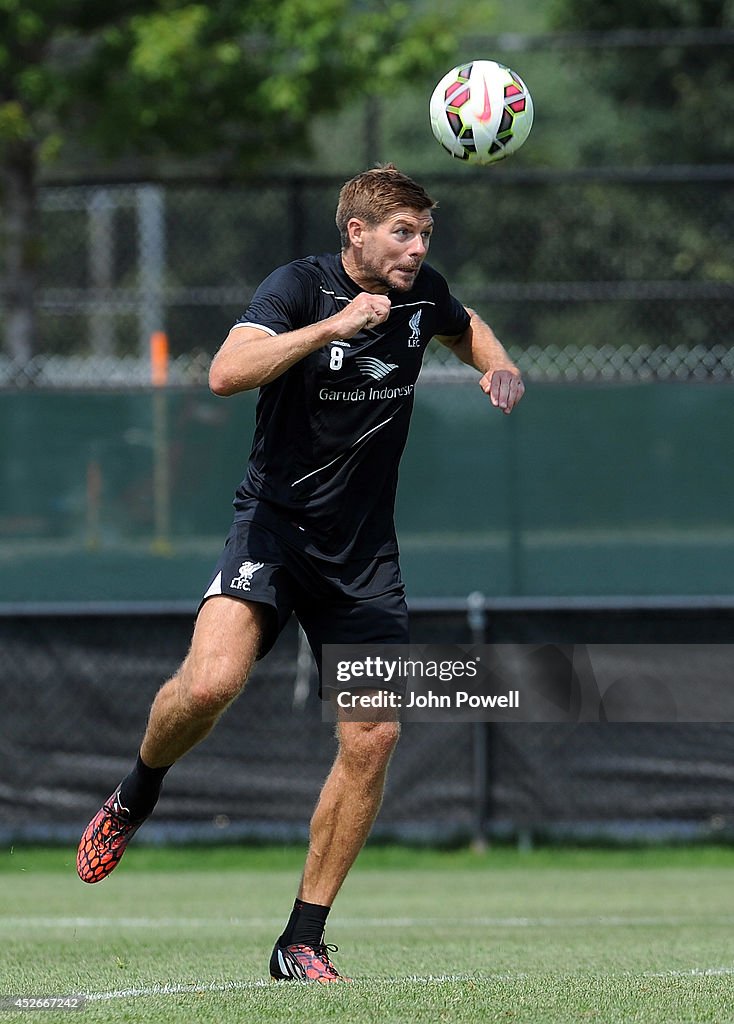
504	388
364	311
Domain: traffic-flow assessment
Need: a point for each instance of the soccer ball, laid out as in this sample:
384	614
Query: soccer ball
481	112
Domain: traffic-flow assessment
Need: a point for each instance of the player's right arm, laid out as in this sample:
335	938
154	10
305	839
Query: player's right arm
251	357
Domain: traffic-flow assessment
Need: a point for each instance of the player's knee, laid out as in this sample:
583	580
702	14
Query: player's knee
369	744
207	700
208	692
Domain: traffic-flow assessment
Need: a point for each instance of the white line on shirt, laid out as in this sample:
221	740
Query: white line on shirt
341	456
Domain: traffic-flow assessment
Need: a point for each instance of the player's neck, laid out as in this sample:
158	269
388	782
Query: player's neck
364	282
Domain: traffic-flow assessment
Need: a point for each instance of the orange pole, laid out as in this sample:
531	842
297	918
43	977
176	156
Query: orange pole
159	359
161	481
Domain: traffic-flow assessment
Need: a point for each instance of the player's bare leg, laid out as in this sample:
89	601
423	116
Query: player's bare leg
341	822
223	649
186	708
347	806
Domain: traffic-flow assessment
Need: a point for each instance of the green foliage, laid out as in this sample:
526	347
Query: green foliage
653	14
244	79
239	82
668	100
14	125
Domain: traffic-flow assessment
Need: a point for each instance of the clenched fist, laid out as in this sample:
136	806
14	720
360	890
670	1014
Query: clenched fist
365	310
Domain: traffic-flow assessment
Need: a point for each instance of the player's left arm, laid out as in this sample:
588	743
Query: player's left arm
480	347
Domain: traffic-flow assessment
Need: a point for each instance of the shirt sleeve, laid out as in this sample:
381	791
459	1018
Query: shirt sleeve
283	302
451	317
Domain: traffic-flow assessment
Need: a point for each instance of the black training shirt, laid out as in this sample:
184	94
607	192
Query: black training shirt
330	431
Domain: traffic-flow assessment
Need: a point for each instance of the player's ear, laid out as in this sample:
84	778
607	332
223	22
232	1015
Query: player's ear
355	230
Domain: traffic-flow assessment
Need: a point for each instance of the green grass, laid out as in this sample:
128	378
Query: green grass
548	936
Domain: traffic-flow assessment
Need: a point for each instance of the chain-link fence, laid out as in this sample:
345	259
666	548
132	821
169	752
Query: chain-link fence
586	275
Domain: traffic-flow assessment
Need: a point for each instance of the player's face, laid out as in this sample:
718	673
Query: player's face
390	254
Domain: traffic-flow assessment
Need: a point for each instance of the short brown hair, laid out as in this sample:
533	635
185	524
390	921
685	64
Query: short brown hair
375	194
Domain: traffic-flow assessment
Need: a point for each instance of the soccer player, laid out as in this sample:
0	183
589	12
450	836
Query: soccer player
335	344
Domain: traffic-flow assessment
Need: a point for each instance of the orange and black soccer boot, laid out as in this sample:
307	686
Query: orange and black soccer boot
300	962
105	840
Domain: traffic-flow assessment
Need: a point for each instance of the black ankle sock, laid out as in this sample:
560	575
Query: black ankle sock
306	924
139	791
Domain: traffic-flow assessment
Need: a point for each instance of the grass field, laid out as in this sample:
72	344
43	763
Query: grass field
545	936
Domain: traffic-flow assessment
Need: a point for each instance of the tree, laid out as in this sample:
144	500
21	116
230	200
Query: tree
667	98
669	95
152	79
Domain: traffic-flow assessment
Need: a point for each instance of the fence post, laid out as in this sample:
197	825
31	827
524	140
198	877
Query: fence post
161	477
476	617
101	207
151	260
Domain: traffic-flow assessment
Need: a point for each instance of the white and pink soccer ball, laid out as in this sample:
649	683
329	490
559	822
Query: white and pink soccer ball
481	112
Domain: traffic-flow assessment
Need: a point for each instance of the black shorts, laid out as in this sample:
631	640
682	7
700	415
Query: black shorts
356	602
